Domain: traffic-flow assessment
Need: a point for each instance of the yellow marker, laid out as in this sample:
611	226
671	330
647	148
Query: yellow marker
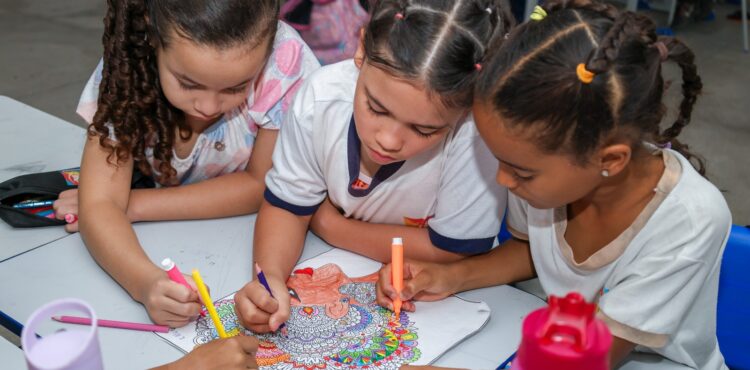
203	292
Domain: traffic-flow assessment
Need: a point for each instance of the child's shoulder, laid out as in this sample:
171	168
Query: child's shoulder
698	197
333	82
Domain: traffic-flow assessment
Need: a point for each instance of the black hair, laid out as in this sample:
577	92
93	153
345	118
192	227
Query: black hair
131	101
531	81
440	43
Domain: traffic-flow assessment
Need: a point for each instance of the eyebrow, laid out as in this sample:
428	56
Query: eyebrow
189	80
380	105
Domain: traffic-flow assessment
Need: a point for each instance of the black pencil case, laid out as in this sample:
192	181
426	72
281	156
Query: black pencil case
44	186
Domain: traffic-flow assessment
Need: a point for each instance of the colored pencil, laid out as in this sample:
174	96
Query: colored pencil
206	298
264	282
112	324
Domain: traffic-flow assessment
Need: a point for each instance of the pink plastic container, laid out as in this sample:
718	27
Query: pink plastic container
73	348
564	336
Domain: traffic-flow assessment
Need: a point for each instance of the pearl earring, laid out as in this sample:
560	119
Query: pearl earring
605	173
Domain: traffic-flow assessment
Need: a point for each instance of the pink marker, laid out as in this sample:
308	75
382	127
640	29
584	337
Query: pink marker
112	324
175	275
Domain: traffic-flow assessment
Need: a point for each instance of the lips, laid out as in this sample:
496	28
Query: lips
380	158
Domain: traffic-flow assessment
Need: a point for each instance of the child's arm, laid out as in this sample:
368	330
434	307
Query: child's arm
505	264
233	353
620	349
109	237
227	195
277	245
374	240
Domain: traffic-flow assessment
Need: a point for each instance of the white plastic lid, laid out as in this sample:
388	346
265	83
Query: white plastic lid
167	264
398	241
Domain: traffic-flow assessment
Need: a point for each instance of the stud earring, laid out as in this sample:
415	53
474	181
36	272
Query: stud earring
605	173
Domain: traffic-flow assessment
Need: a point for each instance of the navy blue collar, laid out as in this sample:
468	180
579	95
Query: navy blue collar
353	152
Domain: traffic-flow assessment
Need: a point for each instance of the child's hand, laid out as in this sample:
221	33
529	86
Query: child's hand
170	303
260	312
67	203
237	352
422	281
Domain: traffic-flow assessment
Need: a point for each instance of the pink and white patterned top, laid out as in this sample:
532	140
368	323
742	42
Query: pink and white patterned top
226	146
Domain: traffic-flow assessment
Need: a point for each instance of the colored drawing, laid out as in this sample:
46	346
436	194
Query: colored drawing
335	322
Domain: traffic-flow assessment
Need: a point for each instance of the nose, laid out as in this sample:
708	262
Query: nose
389	137
505	178
208	105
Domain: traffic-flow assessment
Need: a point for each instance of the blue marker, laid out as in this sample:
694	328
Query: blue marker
506	363
23	205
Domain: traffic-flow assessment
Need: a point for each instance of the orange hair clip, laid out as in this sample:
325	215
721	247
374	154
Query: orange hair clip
584	74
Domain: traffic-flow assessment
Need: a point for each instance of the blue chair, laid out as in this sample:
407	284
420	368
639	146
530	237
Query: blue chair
733	312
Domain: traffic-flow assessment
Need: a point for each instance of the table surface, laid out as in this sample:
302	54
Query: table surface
33	141
11	355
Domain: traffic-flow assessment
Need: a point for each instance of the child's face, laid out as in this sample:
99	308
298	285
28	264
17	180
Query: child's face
395	119
543	180
206	82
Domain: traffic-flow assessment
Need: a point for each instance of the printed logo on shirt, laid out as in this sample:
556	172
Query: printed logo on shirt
360	185
417	222
71	176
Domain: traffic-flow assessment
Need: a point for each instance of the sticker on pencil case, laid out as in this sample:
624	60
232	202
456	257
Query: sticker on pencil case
335	322
71	176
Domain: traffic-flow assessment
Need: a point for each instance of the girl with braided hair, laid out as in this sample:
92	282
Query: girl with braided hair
603	200
191	92
384	145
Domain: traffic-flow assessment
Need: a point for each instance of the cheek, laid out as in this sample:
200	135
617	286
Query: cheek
176	96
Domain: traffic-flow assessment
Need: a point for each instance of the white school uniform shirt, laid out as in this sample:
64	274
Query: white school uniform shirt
450	188
226	146
657	283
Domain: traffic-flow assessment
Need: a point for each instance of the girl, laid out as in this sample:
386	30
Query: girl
387	138
192	93
570	106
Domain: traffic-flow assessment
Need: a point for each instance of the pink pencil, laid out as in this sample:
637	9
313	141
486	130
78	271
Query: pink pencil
112	324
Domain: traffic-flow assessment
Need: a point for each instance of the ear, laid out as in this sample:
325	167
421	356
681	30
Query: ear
614	158
359	55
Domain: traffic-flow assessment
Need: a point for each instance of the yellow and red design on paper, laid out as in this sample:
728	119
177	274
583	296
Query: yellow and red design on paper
71	176
417	222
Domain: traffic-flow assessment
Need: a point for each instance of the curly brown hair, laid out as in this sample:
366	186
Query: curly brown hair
131	104
532	82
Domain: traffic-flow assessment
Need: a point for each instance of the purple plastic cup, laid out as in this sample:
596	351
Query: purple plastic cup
64	350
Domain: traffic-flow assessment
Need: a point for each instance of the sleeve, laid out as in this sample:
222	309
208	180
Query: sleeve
470	204
87	103
295	182
517	217
675	269
290	63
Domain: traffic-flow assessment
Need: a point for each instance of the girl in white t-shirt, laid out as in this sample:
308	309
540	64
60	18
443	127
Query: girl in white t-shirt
570	106
191	93
383	146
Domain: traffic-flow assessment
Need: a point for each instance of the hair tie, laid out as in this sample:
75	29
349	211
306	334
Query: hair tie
584	74
399	16
478	67
663	50
538	14
667	145
488	10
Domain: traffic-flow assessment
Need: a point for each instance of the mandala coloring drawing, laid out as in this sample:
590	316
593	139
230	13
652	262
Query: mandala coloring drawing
336	323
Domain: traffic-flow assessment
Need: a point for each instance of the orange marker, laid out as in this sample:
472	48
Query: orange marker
397	272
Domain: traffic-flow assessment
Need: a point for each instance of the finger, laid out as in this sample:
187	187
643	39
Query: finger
381	297
260	297
384	280
71	228
408	306
179	292
259	328
416	285
249	344
283	309
248	313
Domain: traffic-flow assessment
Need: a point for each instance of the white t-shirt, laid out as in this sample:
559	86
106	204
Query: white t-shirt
657	283
225	147
449	188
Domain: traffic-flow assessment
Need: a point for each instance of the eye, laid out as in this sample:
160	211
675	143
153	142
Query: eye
236	90
375	112
185	86
424	133
521	178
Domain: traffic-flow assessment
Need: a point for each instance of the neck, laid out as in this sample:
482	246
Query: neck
198	126
633	186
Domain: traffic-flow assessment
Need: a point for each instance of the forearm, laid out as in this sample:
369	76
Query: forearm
110	239
374	240
507	263
227	195
278	240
